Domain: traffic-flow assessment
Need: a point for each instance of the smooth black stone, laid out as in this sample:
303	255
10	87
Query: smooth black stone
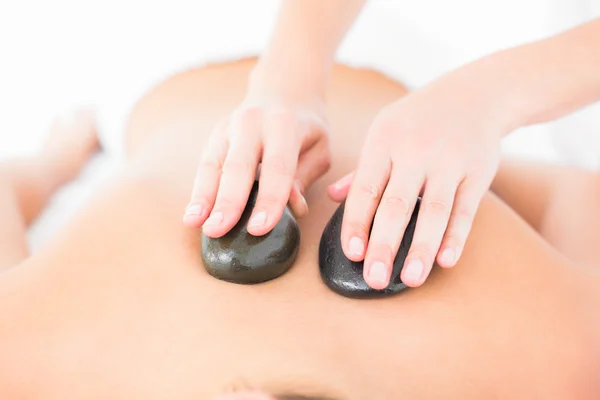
240	257
344	276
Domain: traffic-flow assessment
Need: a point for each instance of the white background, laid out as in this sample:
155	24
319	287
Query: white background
57	54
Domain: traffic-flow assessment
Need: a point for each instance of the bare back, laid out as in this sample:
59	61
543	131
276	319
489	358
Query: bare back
118	305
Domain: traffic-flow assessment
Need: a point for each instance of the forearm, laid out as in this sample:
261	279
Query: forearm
545	80
306	36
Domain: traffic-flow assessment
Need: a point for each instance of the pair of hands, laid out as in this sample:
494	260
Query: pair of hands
441	142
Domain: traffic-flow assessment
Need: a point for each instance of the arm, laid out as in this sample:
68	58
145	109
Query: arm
452	157
280	124
544	80
303	45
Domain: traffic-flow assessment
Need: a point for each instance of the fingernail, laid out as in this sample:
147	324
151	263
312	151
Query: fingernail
414	270
303	200
258	219
448	257
304	205
378	272
194	209
356	246
215	219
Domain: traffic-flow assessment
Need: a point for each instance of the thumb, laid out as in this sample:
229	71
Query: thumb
338	191
297	201
312	164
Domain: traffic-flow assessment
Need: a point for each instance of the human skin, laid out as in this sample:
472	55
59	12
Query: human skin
118	305
293	151
406	152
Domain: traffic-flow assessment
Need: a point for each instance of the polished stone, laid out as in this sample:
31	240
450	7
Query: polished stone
240	257
344	276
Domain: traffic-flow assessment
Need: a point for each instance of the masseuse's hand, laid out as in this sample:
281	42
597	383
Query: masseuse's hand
280	126
441	142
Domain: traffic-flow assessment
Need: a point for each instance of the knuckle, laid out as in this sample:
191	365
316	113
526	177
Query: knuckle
210	165
359	227
464	213
324	163
396	206
451	178
376	143
369	190
325	142
278	165
280	120
214	149
249	115
436	206
386	131
282	116
239	165
384	126
219	128
322	128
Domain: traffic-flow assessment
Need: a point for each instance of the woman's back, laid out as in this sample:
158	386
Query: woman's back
118	305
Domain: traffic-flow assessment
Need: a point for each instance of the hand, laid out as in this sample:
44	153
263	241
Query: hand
441	142
283	128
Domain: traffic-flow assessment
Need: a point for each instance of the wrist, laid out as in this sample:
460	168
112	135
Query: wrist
475	89
545	80
303	66
296	79
499	84
512	73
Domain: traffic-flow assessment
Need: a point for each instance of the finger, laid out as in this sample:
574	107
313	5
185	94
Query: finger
237	178
312	164
466	203
297	202
392	217
434	213
371	178
207	178
277	172
338	191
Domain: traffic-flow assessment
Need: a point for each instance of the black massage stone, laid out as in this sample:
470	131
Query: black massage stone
240	257
344	276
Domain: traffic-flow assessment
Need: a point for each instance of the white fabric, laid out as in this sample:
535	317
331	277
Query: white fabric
71	197
61	53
